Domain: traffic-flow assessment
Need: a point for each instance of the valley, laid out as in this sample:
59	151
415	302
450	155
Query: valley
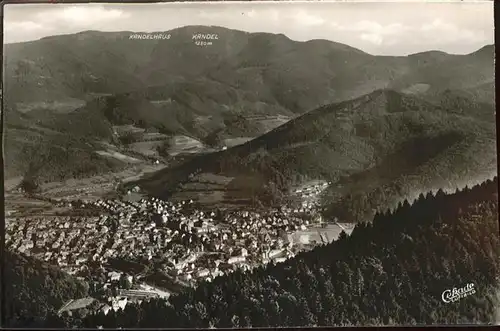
234	132
166	180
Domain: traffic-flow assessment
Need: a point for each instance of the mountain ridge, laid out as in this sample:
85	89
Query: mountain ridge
240	87
337	142
486	47
108	66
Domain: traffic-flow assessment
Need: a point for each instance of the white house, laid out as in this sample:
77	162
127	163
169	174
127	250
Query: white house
105	309
113	275
236	259
119	303
203	273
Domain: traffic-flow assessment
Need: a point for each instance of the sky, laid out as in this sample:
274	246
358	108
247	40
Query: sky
382	28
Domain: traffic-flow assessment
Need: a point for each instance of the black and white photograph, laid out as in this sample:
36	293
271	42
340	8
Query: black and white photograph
249	164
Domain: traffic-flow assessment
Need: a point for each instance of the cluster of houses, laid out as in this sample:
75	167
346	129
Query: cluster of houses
63	241
311	191
191	244
186	244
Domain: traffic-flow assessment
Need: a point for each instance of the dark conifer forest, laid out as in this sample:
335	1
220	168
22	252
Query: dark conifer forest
34	291
388	272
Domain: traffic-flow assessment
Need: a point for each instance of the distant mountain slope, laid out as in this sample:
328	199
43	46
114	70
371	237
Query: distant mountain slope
380	138
463	102
463	72
296	75
54	146
48	146
35	290
392	271
194	107
238	88
72	65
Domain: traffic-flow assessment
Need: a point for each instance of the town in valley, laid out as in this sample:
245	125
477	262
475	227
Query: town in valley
132	249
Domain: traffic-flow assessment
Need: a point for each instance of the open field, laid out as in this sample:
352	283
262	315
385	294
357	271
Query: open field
417	88
236	141
12	183
147	148
89	188
184	144
61	106
123	129
154	136
313	234
205	188
271	123
118	156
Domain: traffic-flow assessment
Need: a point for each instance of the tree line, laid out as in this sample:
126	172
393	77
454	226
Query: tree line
34	291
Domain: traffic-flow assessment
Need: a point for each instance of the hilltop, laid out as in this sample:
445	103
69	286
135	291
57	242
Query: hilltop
382	141
296	75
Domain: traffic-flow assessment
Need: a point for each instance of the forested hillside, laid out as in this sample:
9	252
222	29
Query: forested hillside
49	146
274	69
390	271
34	291
375	150
242	86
